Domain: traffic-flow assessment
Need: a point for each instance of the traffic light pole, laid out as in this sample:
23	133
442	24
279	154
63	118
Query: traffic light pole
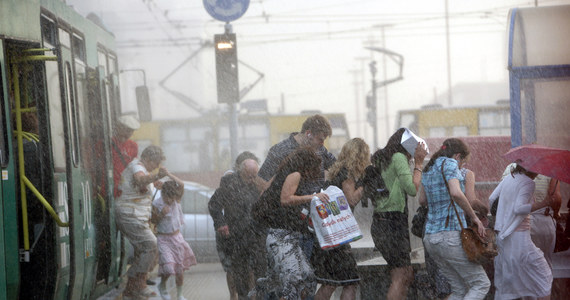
232	108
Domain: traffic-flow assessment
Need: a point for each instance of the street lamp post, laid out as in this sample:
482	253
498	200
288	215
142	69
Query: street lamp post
398	59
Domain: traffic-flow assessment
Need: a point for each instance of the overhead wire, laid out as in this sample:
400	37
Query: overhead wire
394	23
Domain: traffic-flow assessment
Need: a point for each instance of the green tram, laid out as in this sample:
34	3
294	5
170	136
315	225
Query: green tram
59	99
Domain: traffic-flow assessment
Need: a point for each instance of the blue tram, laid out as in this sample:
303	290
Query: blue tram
59	95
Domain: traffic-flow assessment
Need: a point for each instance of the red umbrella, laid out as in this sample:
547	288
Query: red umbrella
543	160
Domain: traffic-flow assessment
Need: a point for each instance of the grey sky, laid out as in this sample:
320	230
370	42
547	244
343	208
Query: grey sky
312	53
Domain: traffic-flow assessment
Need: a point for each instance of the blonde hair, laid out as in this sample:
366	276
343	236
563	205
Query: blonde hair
354	156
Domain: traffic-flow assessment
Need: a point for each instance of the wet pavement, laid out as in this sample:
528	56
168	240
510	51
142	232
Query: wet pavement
202	281
208	281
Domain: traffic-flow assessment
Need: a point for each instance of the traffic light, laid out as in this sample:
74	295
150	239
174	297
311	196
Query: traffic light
226	67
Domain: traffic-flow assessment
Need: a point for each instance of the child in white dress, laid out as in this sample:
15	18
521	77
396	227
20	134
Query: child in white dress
175	255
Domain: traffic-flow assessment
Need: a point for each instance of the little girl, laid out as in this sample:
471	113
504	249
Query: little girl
175	255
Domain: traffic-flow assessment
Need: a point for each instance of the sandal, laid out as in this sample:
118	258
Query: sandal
133	296
147	292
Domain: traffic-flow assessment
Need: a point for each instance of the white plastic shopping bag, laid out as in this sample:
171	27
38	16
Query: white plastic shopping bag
333	222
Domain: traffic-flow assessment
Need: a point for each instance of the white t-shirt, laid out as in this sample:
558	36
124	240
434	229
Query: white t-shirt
129	190
173	220
133	199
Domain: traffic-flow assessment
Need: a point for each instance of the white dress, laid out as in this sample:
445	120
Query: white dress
520	268
543	227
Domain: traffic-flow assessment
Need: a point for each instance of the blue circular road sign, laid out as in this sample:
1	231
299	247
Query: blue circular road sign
226	10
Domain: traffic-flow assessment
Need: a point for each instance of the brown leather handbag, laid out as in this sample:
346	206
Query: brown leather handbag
478	250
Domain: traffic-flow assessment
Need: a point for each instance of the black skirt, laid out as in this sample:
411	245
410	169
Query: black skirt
335	267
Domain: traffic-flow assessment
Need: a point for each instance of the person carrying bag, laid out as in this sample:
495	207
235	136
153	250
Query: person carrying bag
442	236
478	249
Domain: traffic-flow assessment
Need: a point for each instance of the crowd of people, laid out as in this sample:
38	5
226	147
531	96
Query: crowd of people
264	237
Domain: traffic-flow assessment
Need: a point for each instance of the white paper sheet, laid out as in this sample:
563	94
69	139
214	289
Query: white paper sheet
410	141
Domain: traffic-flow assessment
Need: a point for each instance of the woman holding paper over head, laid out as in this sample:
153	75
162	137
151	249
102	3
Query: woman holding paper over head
390	219
337	267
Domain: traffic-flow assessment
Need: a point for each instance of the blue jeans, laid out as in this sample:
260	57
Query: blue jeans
468	280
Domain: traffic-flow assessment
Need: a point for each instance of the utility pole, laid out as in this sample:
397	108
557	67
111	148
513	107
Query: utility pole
363	60
372	105
386	115
356	83
371	101
449	96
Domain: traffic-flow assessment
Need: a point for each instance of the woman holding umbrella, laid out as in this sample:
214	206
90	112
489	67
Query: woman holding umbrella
520	268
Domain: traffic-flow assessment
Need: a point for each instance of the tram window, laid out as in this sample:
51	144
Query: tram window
55	116
72	114
64	38
105	99
102	61
112	64
48	31
84	118
78	47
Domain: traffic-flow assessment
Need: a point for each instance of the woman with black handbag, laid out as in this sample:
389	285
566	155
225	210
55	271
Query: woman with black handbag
442	233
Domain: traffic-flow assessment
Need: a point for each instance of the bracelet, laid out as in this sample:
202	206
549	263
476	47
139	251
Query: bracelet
417	169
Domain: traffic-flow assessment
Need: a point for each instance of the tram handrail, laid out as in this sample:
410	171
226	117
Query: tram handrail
43	201
24	181
29	136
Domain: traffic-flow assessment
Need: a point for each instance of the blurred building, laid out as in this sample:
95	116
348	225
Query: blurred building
439	121
198	149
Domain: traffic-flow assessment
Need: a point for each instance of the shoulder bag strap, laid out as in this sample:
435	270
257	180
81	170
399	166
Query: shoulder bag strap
450	198
119	152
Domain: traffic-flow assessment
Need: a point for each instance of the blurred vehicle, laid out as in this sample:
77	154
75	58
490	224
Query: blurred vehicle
198	228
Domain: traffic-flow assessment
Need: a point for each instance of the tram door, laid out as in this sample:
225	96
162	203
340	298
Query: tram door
82	230
26	83
3	165
104	182
111	264
73	253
